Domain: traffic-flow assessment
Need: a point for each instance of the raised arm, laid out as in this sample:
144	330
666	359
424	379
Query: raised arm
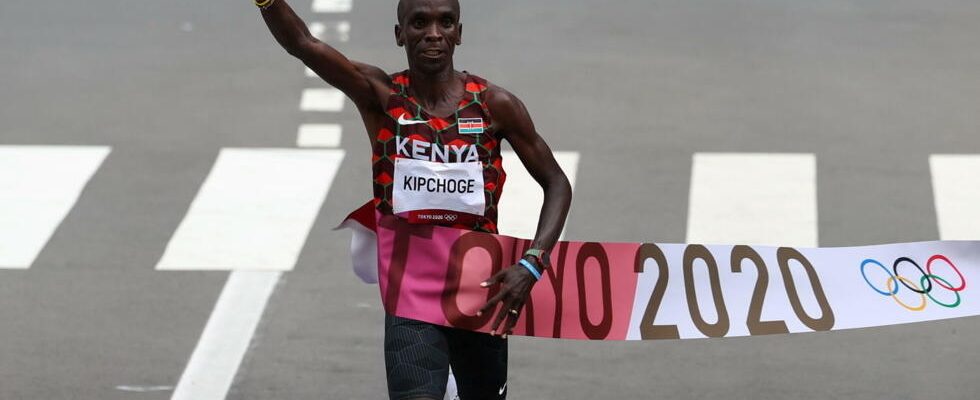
364	84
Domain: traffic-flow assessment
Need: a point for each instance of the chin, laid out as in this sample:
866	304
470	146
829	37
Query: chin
433	66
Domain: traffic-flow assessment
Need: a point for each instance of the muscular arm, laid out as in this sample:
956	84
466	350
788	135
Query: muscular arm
513	121
361	82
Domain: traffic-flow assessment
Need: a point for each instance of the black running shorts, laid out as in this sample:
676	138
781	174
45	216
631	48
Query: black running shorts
418	356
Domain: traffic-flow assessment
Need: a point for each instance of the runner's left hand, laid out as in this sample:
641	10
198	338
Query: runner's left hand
516	283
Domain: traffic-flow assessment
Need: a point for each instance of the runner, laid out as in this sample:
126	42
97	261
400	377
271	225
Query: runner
435	135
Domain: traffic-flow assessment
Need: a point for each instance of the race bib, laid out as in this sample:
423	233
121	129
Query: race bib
437	187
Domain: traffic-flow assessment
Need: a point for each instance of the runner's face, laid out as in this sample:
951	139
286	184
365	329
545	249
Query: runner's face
430	31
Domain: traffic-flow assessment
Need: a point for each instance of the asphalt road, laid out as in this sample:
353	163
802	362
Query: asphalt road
872	88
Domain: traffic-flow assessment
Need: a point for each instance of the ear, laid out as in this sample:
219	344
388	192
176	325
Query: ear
459	35
398	36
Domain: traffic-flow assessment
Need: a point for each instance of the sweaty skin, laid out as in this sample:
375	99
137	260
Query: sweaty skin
430	30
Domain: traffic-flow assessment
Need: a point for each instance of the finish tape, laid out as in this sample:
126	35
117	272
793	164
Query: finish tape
644	291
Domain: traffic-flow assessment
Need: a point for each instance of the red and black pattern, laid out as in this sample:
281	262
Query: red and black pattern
439	131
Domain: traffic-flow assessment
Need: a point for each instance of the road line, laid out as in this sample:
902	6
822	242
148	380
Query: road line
520	205
319	135
956	190
764	198
254	211
322	100
39	185
219	352
144	389
317	29
331	32
332	6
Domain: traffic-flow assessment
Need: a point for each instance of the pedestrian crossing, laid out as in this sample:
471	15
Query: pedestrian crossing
253	212
256	207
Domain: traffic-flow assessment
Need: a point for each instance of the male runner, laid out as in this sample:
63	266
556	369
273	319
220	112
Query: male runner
425	124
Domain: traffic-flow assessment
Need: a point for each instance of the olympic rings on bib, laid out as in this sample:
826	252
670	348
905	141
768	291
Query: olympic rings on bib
923	286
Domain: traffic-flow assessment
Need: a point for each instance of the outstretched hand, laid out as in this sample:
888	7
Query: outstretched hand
516	283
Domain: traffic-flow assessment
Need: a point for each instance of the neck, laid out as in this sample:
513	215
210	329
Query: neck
433	88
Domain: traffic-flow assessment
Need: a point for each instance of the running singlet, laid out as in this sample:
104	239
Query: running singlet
443	171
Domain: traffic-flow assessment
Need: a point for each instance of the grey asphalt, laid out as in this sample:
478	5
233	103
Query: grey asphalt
871	87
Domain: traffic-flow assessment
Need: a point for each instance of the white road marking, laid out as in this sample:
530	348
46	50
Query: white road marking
956	189
331	32
343	31
319	135
322	100
143	389
39	185
317	29
254	211
332	6
520	205
764	198
212	367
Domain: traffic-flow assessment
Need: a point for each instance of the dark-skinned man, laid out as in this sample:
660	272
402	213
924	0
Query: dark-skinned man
427	118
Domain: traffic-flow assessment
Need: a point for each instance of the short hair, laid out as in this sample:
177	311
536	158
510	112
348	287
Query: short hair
403	8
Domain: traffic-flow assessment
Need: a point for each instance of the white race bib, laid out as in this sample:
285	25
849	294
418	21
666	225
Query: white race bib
425	185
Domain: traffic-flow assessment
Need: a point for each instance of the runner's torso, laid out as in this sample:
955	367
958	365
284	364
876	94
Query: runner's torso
465	140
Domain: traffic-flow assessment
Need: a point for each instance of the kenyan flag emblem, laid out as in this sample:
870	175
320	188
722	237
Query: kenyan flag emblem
470	126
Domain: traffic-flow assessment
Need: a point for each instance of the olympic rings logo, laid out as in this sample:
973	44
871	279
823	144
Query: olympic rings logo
925	284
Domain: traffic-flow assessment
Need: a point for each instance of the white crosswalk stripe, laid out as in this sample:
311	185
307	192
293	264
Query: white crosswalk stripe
319	135
332	6
330	32
956	191
328	99
520	205
753	198
254	211
39	185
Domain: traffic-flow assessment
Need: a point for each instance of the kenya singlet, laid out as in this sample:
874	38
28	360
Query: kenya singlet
439	170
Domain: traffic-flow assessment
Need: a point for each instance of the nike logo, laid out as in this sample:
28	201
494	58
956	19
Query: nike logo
502	389
403	121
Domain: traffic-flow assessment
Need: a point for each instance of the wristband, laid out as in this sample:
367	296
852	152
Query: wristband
263	4
543	259
534	271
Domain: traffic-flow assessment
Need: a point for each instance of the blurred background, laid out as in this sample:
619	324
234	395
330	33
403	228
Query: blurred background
170	179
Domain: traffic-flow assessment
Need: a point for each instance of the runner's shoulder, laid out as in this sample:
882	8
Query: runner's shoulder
380	85
374	74
504	106
498	97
